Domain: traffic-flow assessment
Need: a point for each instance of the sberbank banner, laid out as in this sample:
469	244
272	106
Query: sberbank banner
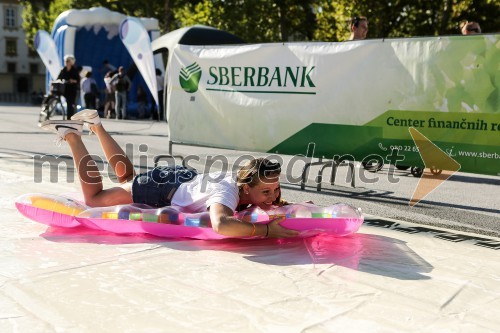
352	98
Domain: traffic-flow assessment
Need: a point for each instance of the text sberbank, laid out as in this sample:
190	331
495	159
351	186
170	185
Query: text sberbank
299	76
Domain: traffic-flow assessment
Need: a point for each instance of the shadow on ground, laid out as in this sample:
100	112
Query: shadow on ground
362	252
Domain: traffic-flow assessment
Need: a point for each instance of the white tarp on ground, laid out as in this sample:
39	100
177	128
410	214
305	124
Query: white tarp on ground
386	278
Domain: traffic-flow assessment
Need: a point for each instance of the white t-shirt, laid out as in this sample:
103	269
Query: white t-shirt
109	86
86	85
205	190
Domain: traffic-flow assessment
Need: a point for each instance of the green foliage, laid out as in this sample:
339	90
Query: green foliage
58	7
287	20
332	18
40	15
30	24
34	19
254	21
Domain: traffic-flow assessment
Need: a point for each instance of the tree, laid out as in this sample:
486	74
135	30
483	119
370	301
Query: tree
284	20
404	18
254	21
41	15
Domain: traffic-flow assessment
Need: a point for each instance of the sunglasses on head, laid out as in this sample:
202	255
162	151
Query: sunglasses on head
264	168
355	21
268	166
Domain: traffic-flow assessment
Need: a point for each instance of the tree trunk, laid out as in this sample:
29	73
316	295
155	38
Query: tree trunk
283	22
168	16
445	18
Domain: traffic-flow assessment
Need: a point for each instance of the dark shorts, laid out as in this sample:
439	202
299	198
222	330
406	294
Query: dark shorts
157	187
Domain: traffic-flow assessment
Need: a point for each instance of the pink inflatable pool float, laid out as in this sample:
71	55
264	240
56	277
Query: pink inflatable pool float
59	211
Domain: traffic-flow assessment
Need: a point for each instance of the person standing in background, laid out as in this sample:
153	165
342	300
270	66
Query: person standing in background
159	84
89	91
470	28
109	102
107	67
142	101
71	77
122	85
359	28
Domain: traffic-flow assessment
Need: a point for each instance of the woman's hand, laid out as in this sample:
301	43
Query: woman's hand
277	231
224	223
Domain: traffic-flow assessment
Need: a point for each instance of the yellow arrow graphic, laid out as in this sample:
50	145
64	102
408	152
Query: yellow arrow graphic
438	166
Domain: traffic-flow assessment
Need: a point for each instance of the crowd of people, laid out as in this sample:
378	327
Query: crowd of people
359	27
81	88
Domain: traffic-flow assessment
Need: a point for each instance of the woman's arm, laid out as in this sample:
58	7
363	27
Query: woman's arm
224	223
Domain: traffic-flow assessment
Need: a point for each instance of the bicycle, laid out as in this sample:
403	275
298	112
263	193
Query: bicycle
52	106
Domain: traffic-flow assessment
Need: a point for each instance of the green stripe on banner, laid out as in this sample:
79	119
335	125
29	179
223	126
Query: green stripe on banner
265	92
330	139
470	139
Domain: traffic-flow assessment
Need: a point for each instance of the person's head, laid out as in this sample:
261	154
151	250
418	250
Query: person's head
258	183
88	74
470	28
121	70
69	60
359	27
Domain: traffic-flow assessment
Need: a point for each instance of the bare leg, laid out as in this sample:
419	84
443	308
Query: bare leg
115	155
106	109
91	180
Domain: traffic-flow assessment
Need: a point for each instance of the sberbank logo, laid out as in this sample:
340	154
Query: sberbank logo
189	78
296	80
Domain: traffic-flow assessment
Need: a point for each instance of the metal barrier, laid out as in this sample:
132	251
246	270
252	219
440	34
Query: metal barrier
334	164
16	98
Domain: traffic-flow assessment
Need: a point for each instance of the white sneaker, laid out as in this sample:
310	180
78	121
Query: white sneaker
63	128
88	116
